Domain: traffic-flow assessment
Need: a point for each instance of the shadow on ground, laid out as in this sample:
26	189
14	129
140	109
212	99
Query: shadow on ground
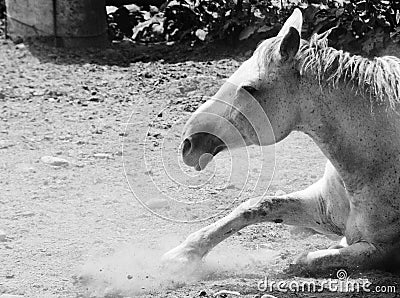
124	53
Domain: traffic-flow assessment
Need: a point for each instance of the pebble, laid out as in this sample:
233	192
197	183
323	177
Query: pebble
231	186
20	46
54	161
202	293
148	75
3	236
95	99
26	168
157	204
102	155
280	193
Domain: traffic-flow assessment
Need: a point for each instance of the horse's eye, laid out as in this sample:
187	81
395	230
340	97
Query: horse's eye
249	89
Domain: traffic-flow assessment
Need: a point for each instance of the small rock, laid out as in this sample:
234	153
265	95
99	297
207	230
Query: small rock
202	293
157	204
10	275
129	276
280	193
148	75
38	93
28	169
54	161
20	46
3	236
17	39
95	98
102	156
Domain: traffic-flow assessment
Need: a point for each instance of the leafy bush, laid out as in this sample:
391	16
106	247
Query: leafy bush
209	20
362	26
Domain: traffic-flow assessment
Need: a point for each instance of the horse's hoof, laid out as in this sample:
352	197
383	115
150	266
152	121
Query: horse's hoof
180	260
302	260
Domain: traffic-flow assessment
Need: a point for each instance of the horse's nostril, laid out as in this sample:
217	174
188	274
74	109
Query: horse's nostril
186	147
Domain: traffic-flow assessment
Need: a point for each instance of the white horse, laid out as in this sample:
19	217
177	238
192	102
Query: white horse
347	105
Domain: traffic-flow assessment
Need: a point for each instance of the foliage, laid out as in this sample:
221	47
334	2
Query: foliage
2	9
207	20
362	26
359	26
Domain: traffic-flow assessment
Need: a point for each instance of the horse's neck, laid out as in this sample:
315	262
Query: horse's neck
361	139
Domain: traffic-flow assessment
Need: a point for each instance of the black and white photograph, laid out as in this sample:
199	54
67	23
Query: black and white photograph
199	148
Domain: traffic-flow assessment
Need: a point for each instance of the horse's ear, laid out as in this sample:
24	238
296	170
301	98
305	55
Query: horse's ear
295	21
290	44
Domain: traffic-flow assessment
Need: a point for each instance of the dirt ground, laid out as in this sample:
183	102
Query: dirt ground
98	110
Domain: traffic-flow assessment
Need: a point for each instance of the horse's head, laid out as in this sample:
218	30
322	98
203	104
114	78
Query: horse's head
257	105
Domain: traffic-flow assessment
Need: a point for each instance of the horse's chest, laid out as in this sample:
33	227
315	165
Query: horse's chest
374	215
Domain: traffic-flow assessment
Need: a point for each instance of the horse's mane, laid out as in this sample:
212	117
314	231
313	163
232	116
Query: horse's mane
378	77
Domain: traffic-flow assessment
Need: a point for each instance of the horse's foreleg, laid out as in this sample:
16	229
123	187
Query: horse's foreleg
300	209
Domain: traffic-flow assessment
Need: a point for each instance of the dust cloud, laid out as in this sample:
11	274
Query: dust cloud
136	269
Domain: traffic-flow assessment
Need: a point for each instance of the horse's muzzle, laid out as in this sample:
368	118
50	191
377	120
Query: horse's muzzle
199	149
